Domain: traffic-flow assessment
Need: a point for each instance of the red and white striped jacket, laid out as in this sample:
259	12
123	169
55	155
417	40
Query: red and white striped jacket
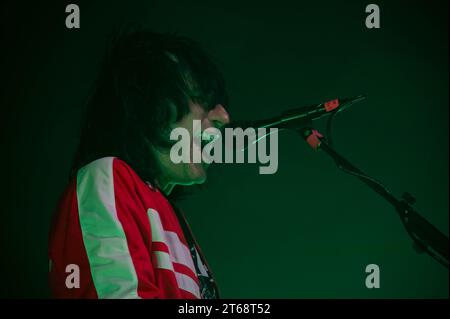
124	237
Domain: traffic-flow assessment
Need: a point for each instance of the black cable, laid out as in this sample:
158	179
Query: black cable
347	170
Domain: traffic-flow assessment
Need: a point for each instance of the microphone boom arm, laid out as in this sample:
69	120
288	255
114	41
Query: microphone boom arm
426	237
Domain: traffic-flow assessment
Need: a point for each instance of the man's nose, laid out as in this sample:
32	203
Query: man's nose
218	116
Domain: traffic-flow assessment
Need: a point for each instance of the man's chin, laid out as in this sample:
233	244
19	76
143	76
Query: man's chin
198	173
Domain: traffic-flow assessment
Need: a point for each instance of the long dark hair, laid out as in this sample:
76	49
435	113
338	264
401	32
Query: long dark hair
145	83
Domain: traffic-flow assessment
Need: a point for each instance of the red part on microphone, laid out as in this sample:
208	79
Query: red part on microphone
331	105
314	139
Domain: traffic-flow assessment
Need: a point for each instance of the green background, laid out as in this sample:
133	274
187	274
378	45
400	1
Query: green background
307	231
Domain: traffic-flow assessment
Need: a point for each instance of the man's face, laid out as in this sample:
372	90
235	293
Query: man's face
191	173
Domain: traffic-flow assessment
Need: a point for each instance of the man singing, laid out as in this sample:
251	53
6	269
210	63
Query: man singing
115	233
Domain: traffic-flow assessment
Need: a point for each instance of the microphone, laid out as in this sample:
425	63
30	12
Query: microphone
293	118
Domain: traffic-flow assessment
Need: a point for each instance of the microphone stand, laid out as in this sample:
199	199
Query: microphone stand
425	236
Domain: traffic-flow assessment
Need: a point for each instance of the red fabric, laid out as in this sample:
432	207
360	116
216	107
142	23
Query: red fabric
66	247
133	199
